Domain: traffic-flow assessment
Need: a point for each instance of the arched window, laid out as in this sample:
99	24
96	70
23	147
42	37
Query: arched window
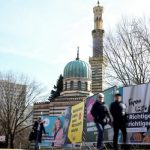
65	85
86	86
71	85
79	85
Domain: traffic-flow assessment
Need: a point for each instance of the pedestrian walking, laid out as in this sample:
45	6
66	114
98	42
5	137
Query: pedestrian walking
101	115
118	112
38	129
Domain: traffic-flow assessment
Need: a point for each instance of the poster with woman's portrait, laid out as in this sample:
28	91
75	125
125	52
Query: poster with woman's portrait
55	134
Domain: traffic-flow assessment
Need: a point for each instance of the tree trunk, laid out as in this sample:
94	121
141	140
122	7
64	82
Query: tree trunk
8	146
12	141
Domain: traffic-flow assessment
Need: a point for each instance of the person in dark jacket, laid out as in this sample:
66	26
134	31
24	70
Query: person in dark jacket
38	129
101	115
118	112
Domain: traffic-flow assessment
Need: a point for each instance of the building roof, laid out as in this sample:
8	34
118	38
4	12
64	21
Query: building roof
77	68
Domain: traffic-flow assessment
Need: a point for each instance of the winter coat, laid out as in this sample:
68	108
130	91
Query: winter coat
100	112
42	130
118	112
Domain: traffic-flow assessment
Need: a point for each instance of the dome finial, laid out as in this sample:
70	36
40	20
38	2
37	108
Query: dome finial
98	3
77	53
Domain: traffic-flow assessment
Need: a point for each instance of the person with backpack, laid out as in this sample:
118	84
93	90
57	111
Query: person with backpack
101	115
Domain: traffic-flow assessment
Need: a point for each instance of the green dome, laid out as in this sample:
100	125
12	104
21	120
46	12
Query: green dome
77	68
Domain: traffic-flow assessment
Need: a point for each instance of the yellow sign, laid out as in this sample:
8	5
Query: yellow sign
76	124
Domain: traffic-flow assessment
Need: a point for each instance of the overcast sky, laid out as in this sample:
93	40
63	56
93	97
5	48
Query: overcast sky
39	37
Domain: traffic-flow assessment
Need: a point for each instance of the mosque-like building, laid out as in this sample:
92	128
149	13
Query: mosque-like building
77	79
80	78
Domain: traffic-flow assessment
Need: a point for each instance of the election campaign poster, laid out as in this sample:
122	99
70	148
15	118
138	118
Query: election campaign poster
137	100
54	128
76	123
89	126
67	119
64	130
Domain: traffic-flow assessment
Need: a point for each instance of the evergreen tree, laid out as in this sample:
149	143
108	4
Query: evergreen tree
58	88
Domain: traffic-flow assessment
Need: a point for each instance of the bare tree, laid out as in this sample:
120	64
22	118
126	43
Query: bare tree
128	52
22	137
17	94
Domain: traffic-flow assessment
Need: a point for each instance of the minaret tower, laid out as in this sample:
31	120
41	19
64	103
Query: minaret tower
98	61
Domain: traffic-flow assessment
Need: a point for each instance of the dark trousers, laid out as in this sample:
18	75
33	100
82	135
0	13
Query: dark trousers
118	127
100	129
37	140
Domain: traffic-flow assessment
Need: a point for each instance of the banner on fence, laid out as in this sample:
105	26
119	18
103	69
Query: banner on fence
54	127
64	130
69	129
90	128
67	119
137	100
76	123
